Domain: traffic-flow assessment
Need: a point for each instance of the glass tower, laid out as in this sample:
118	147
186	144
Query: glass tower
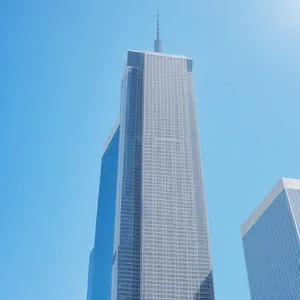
100	266
161	246
271	243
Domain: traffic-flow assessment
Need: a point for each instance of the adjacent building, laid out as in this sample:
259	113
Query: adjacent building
271	243
100	263
161	242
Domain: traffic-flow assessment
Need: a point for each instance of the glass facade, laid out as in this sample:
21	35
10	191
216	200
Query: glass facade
272	249
100	265
90	276
126	262
161	247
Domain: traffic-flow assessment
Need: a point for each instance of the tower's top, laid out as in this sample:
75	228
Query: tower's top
157	42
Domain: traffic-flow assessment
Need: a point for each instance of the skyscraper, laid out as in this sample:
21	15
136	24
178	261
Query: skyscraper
161	241
100	264
161	248
271	241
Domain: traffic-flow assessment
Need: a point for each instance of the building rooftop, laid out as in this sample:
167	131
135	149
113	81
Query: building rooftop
284	183
159	53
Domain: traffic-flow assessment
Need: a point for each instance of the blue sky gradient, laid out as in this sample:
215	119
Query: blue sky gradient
60	70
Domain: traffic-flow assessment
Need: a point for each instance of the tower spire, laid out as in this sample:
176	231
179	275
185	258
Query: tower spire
157	28
157	42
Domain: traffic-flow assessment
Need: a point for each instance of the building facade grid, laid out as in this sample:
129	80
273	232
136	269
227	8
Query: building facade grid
161	234
272	248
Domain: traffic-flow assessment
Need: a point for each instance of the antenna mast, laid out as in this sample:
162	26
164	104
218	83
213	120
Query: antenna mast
157	42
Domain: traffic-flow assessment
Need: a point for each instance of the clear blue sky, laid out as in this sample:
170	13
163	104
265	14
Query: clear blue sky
60	70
